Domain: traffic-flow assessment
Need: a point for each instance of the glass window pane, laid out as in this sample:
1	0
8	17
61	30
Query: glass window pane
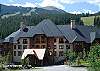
61	53
43	46
54	46
14	53
55	40
61	46
14	46
43	40
24	46
61	40
19	53
25	41
19	46
55	53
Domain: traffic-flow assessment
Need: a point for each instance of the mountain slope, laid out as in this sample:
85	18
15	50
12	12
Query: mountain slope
46	10
13	9
11	16
43	10
98	13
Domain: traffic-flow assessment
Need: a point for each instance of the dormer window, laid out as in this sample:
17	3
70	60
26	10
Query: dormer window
25	29
25	41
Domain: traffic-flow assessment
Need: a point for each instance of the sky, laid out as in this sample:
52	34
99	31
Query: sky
71	6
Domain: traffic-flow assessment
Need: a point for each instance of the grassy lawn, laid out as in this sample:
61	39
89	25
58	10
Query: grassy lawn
88	20
85	63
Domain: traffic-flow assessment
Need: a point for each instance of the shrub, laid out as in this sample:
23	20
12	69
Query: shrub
1	67
93	58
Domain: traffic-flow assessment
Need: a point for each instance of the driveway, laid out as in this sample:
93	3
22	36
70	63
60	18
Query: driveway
58	68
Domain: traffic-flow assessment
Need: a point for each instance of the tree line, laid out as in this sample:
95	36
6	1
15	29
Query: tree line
97	21
12	23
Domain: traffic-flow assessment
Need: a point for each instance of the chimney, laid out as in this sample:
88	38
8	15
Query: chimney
73	24
22	26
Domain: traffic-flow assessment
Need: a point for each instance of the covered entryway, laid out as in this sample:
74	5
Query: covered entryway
35	56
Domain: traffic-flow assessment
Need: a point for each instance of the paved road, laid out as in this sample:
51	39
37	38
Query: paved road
57	68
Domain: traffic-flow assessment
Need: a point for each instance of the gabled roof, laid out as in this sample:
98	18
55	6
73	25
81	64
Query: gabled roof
79	33
14	35
20	33
47	27
98	33
39	53
68	33
84	33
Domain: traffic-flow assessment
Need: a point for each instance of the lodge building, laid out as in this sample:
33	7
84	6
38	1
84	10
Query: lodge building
55	39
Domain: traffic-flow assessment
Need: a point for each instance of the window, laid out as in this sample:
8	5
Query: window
54	46
61	46
61	53
67	46
19	46
43	46
14	46
24	46
78	43
18	41
55	40
37	46
14	53
37	39
25	41
61	40
55	53
33	46
43	39
25	29
19	53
